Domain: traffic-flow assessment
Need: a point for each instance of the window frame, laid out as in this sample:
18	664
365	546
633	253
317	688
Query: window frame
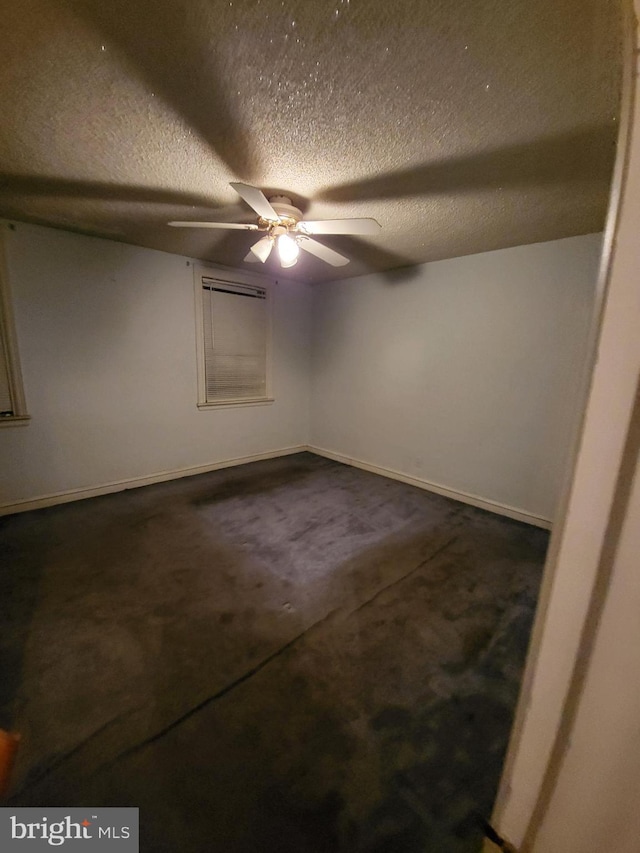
9	342
201	271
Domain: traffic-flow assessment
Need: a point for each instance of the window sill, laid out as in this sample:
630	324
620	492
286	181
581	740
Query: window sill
227	404
15	420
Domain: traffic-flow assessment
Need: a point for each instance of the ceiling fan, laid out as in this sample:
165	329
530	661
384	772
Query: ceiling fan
287	229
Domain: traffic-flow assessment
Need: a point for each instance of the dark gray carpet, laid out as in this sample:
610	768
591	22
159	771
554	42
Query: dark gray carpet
292	655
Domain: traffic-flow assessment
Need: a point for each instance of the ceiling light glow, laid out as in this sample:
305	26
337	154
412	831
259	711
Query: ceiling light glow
287	250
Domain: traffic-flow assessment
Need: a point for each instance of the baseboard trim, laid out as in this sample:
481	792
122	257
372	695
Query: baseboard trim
176	473
136	482
463	497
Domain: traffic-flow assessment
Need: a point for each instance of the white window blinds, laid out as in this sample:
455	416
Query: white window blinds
235	341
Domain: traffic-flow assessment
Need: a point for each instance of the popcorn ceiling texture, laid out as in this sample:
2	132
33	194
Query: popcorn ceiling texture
462	127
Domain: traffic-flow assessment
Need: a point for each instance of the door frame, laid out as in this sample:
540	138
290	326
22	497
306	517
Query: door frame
572	588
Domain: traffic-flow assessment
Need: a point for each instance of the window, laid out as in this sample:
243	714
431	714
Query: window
234	332
12	404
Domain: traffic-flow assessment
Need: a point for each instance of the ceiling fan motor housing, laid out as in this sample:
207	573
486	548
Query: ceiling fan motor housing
289	215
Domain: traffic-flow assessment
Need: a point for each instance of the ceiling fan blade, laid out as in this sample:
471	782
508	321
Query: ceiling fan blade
241	226
321	251
262	249
340	226
256	199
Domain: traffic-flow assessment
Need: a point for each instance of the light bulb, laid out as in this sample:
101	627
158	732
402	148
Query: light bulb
288	250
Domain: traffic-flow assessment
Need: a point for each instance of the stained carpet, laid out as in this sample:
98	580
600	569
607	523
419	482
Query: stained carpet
291	655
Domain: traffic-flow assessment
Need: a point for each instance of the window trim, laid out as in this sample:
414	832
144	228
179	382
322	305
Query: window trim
9	341
201	270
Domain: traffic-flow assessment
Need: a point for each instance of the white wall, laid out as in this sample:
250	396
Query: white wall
466	375
106	334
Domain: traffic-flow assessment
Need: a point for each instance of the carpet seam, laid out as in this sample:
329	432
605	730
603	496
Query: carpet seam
420	565
215	696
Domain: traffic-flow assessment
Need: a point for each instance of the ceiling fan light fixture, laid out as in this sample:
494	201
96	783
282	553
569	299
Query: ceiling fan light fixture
280	219
262	249
288	251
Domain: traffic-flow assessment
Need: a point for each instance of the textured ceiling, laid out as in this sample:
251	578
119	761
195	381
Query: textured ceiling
461	126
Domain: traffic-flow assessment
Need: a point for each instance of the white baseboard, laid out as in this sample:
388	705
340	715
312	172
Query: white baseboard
163	476
463	497
137	482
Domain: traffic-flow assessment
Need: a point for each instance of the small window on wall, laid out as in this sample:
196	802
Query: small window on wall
13	411
234	342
